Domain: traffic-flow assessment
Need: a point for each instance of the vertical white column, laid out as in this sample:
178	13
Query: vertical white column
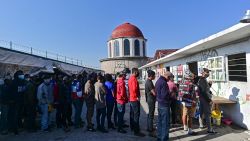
131	47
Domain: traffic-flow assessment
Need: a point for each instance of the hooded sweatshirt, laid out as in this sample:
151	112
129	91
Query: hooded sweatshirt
121	96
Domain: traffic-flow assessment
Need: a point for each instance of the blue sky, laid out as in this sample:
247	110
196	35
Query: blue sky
80	28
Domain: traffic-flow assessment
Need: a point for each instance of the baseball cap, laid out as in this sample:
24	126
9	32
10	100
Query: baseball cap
205	70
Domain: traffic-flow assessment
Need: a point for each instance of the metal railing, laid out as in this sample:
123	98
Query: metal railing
54	56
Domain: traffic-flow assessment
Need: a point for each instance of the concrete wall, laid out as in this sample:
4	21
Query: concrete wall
238	91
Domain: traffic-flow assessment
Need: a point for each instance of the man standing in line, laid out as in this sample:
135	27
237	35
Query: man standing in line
150	99
205	99
100	99
121	101
134	98
109	99
90	101
45	97
188	93
77	97
163	98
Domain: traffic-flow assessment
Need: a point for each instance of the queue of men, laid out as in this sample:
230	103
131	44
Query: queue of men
185	95
25	99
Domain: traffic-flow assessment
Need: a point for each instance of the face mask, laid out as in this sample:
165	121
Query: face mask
27	79
21	77
47	81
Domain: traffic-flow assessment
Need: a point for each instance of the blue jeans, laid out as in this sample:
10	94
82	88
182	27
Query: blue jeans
134	116
4	117
44	116
78	103
100	117
121	112
163	123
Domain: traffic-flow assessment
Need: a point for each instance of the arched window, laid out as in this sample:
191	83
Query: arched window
137	48
110	49
144	48
117	49
126	47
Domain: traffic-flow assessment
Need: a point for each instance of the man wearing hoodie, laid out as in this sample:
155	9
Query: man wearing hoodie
134	98
121	99
17	101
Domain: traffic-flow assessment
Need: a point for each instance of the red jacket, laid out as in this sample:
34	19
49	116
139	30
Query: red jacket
121	96
133	87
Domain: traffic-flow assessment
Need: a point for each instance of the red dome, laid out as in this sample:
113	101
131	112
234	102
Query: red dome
126	30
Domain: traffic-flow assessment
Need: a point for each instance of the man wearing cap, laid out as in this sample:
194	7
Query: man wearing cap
205	98
163	98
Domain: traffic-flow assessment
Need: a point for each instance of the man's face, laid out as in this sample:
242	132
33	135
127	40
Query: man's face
137	74
153	77
206	74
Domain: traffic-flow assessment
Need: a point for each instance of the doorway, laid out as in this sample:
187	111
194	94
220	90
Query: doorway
193	67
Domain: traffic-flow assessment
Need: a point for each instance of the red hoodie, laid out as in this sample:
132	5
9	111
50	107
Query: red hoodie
121	96
133	87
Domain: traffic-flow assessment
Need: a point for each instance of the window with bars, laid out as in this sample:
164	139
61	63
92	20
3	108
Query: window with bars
216	65
237	68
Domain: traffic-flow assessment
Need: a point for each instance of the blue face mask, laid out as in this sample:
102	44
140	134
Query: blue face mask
21	77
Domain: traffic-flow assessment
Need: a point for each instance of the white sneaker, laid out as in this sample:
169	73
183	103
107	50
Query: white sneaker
185	128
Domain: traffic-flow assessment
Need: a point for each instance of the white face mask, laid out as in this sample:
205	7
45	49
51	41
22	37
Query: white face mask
21	77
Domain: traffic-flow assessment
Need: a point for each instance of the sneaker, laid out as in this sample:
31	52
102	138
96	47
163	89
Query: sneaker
91	130
212	132
46	130
122	131
139	134
192	133
185	128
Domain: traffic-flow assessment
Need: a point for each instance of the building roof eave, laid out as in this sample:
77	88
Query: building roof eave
236	32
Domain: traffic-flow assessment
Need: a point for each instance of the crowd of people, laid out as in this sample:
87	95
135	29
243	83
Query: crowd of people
183	100
26	99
